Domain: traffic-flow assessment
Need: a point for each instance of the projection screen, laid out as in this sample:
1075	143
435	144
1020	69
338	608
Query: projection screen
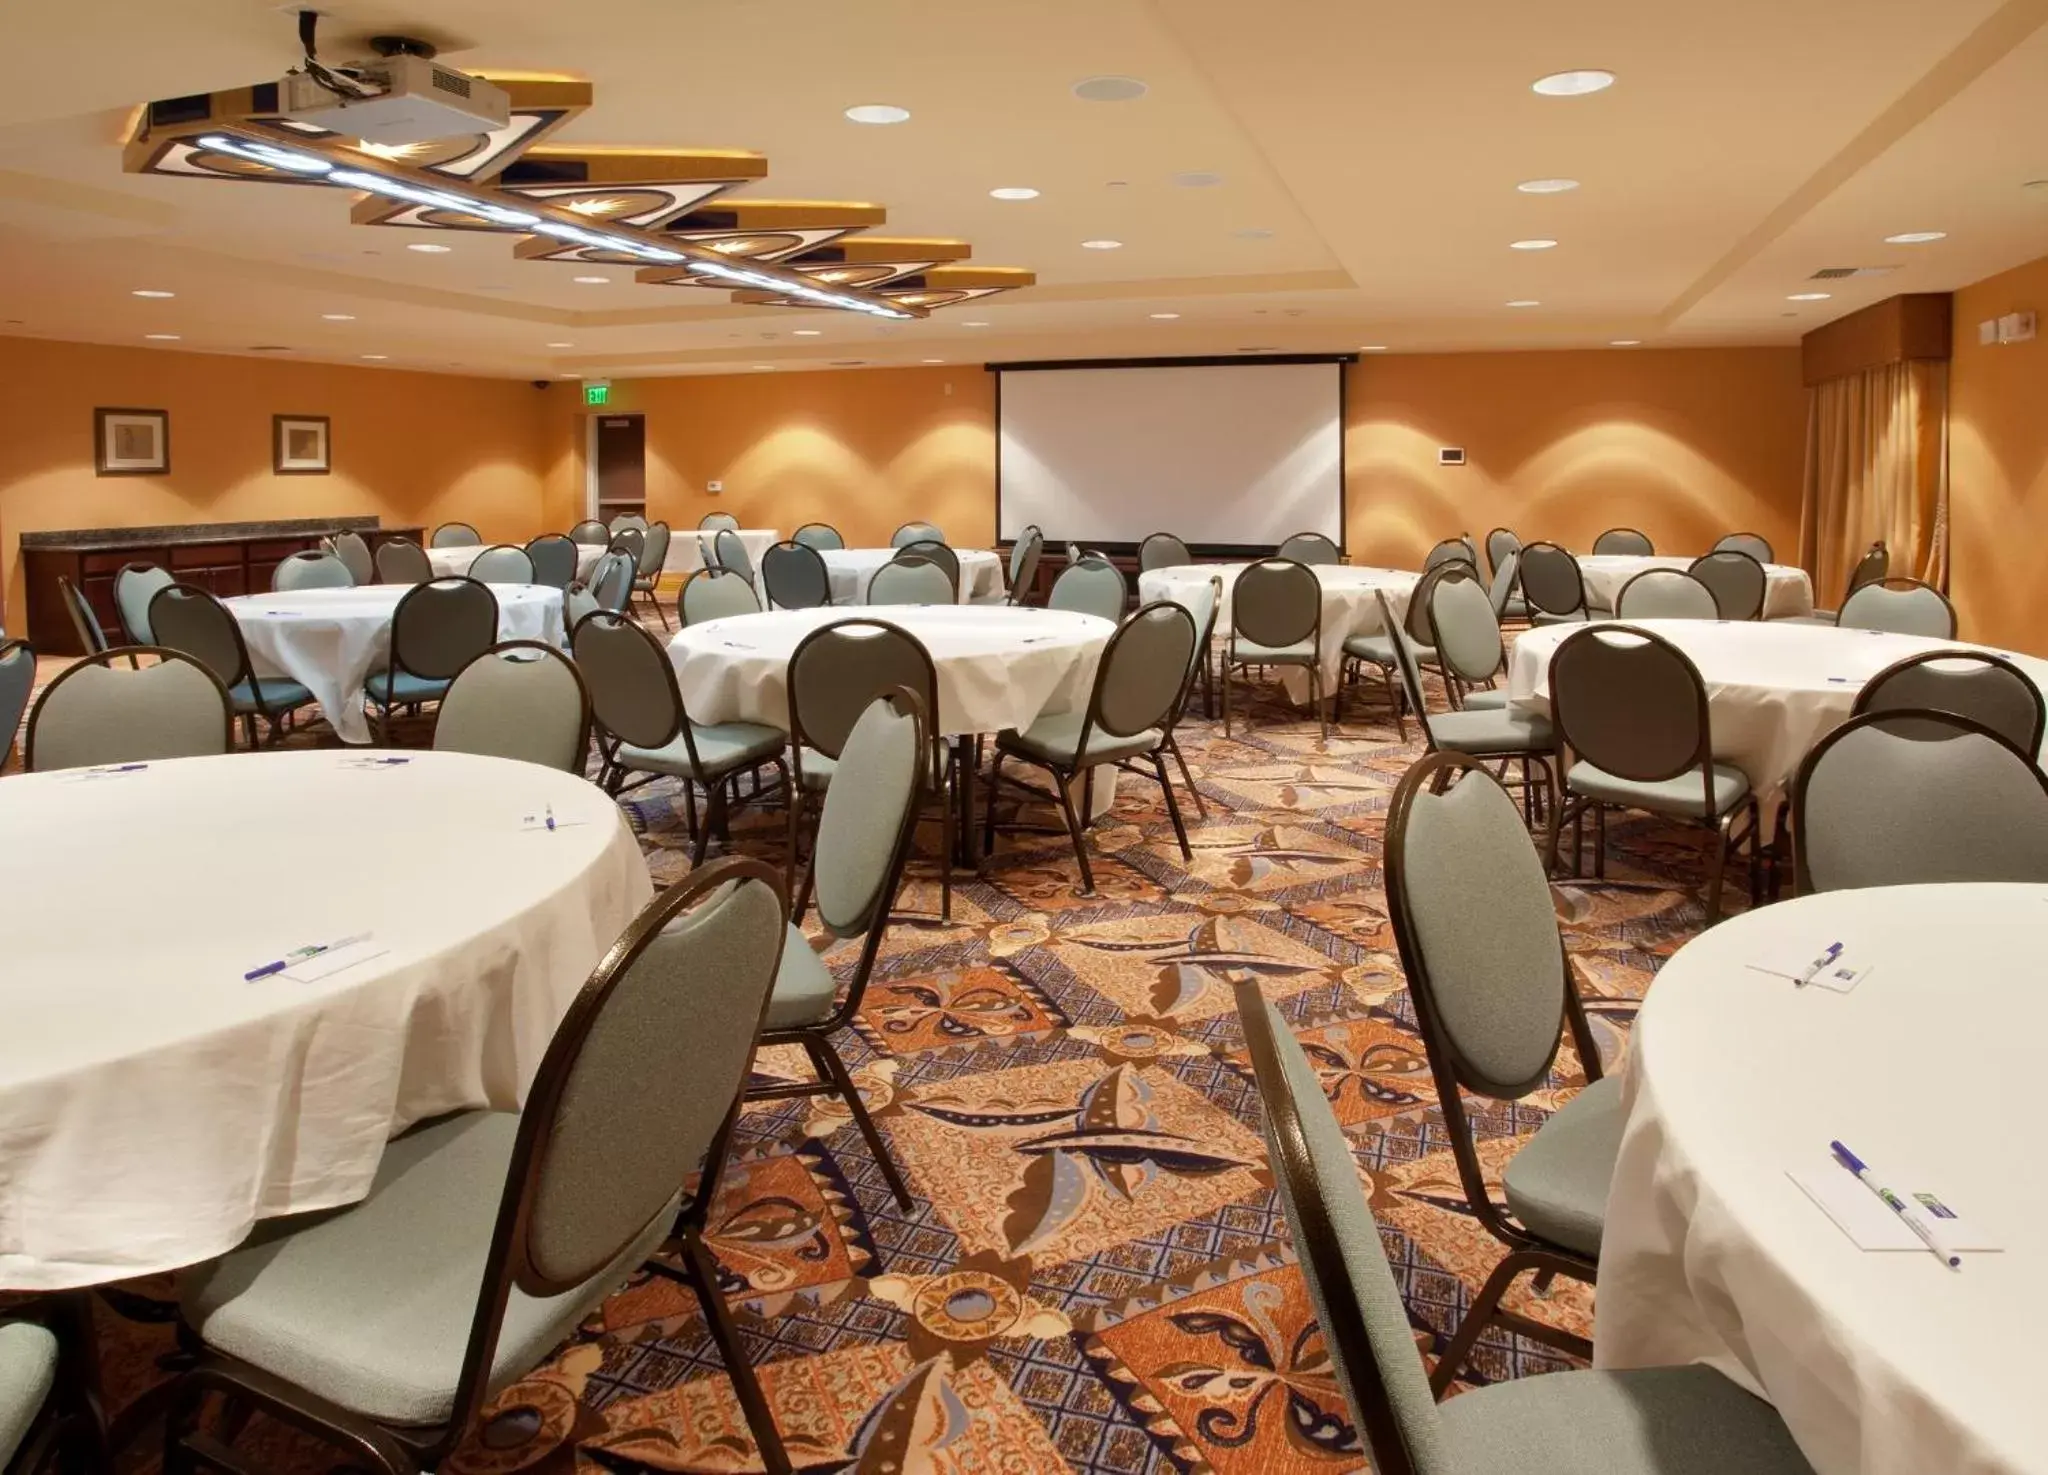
1232	454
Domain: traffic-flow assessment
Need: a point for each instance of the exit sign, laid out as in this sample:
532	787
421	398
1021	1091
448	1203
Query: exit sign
597	393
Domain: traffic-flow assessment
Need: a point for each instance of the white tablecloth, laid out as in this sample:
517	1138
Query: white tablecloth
686	557
1787	590
450	563
981	572
1773	690
329	640
1881	1363
153	1104
998	666
1348	604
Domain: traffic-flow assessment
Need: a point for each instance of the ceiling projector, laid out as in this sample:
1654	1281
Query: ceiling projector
395	99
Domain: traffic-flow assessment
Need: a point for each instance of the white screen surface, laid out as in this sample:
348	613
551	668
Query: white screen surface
1223	453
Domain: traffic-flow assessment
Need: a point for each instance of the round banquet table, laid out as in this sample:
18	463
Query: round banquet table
1882	1363
981	572
1773	689
1787	591
329	640
686	556
452	563
153	1104
1348	604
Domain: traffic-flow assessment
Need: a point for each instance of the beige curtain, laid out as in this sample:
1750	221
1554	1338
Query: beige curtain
1877	467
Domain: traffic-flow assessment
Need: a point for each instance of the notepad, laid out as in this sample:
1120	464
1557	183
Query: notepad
334	960
1791	962
1862	1215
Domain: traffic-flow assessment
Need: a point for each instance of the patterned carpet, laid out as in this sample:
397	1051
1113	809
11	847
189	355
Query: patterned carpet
1066	1296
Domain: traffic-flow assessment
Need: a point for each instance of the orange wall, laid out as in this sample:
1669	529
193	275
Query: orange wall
1684	444
409	448
1998	466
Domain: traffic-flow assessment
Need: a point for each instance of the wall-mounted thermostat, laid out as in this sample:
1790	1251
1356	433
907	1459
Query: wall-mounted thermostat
1450	456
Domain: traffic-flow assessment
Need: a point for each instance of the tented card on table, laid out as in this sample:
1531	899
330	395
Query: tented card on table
1870	1224
1795	962
335	960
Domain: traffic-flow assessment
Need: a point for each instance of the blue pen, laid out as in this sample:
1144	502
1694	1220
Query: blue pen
121	768
1814	968
551	816
1909	1212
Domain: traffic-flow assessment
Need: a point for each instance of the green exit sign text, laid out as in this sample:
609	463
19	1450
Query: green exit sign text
598	393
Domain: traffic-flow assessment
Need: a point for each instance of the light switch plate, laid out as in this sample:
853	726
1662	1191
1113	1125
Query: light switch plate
714	486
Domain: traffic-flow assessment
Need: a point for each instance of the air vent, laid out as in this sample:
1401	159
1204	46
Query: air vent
454	82
1837	273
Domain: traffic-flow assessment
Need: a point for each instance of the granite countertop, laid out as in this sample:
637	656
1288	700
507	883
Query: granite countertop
91	540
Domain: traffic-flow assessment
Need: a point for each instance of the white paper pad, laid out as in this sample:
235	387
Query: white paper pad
1870	1225
327	964
1792	962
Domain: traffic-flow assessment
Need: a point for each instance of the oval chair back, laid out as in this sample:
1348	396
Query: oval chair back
910	580
935	552
1754	544
1987	689
1626	541
632	685
1462	627
1140	678
1162	550
1901	607
522	700
1024	558
718	522
630	541
400	562
1505	574
732	554
1499	544
713	594
1737	581
502	564
654	553
189	620
85	620
442	625
1310	548
795	576
1666	594
822	536
868	819
628	520
134	587
311	570
590	530
1450	550
553	558
1874	566
1551	581
1631	703
1275	602
110	708
17	685
354	553
611	581
837	670
455	535
916	532
1094	586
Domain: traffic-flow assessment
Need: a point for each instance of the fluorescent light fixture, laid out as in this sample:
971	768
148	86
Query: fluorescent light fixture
1574	83
1916	237
1626	343
764	368
727	272
1537	244
878	112
376	356
805	332
429	248
561	345
1102	245
337	317
1372	348
1163	316
1809	296
162	337
1014	192
1525	302
593	281
150	292
931	361
1547	186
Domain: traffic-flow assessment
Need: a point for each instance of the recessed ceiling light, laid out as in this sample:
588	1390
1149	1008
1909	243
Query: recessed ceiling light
1198	179
162	337
977	323
1102	245
337	317
1253	233
1525	302
1014	192
933	361
1625	343
1163	316
806	332
378	356
764	368
429	248
561	345
1916	237
1538	244
1808	296
1573	84
1547	186
594	281
1372	348
1109	89
150	292
878	112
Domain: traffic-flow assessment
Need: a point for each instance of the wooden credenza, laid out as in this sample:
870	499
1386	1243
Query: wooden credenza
226	558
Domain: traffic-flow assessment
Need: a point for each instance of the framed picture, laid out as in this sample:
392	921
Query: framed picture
298	445
131	442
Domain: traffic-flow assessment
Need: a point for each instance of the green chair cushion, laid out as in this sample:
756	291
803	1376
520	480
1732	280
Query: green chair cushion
805	990
1491	699
28	1370
1543	617
370	1306
1051	739
1557	1184
1250	652
1679	795
817	768
405	688
1379	649
721	748
280	694
1492	730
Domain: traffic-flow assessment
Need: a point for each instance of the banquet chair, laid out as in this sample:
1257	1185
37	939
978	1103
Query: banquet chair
1736	580
936	552
1507	603
1094	586
438	628
1754	544
1377	648
502	563
834	674
1163	550
1139	682
109	708
554	560
311	570
639	711
1654	1421
1499	544
1910	797
857	860
1901	607
1493	989
188	619
401	562
1203	607
628	522
915	532
1624	541
630	541
350	548
718	522
520	699
611	581
577	601
1449	550
647	568
1493	734
1975	684
1552	585
486	1237
1276	619
85	621
1666	594
1458	614
50	1413
1311	549
912	580
713	593
1874	565
134	586
731	553
1023	569
1631	709
822	536
795	577
17	685
455	535
590	530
